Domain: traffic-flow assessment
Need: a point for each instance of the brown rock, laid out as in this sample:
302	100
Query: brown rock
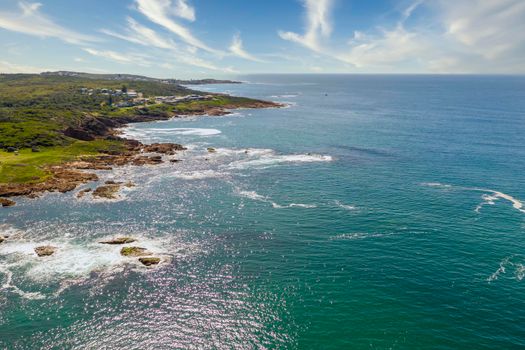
119	240
107	191
149	261
133	251
7	202
111	182
164	148
83	192
45	250
211	150
2	239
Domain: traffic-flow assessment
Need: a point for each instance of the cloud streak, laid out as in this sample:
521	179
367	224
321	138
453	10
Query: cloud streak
237	49
126	58
30	20
139	34
161	12
318	25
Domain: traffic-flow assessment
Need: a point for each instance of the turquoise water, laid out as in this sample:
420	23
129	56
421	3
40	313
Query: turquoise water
375	212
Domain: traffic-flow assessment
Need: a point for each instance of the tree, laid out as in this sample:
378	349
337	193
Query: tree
124	88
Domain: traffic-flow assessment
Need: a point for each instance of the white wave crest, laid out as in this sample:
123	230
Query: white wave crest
508	262
253	195
488	199
198	175
272	159
294	205
172	131
345	206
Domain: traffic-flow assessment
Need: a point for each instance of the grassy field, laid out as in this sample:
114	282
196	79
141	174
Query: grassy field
26	166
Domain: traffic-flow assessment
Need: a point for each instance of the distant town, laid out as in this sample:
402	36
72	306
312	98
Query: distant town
130	98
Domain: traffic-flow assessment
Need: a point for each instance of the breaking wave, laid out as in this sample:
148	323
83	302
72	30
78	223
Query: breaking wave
257	197
508	263
489	198
272	159
135	132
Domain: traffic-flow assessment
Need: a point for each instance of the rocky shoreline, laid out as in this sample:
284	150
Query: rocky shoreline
68	176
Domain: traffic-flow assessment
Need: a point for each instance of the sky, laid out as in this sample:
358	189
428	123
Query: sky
225	38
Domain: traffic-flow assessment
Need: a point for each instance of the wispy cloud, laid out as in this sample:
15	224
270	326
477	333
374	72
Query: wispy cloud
139	34
30	20
126	58
161	13
237	49
183	10
490	28
8	67
142	35
318	25
463	36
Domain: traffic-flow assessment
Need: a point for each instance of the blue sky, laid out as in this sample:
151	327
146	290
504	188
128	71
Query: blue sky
221	38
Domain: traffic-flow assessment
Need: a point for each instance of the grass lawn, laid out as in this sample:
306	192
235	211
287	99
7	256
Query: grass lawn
29	167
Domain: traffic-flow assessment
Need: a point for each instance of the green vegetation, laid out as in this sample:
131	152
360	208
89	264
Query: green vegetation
38	111
27	166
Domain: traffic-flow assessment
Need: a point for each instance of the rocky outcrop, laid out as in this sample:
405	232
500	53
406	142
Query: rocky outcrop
149	261
133	251
79	134
45	250
83	192
7	202
164	148
82	165
119	241
145	160
61	180
107	191
2	239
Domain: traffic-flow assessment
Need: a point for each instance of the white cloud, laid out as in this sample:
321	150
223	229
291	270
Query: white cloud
161	11
461	36
126	58
138	34
237	49
183	10
29	20
8	67
490	28
318	25
389	48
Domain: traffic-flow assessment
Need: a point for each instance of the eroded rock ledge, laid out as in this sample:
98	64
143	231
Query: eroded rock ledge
68	176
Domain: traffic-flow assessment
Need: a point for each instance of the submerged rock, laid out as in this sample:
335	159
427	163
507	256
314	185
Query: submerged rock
7	202
164	148
129	184
149	261
107	191
45	250
211	150
133	251
119	240
83	192
112	182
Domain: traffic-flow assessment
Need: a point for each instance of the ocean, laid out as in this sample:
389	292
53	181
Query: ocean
373	212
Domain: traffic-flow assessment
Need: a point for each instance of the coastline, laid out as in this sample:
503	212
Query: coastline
69	175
